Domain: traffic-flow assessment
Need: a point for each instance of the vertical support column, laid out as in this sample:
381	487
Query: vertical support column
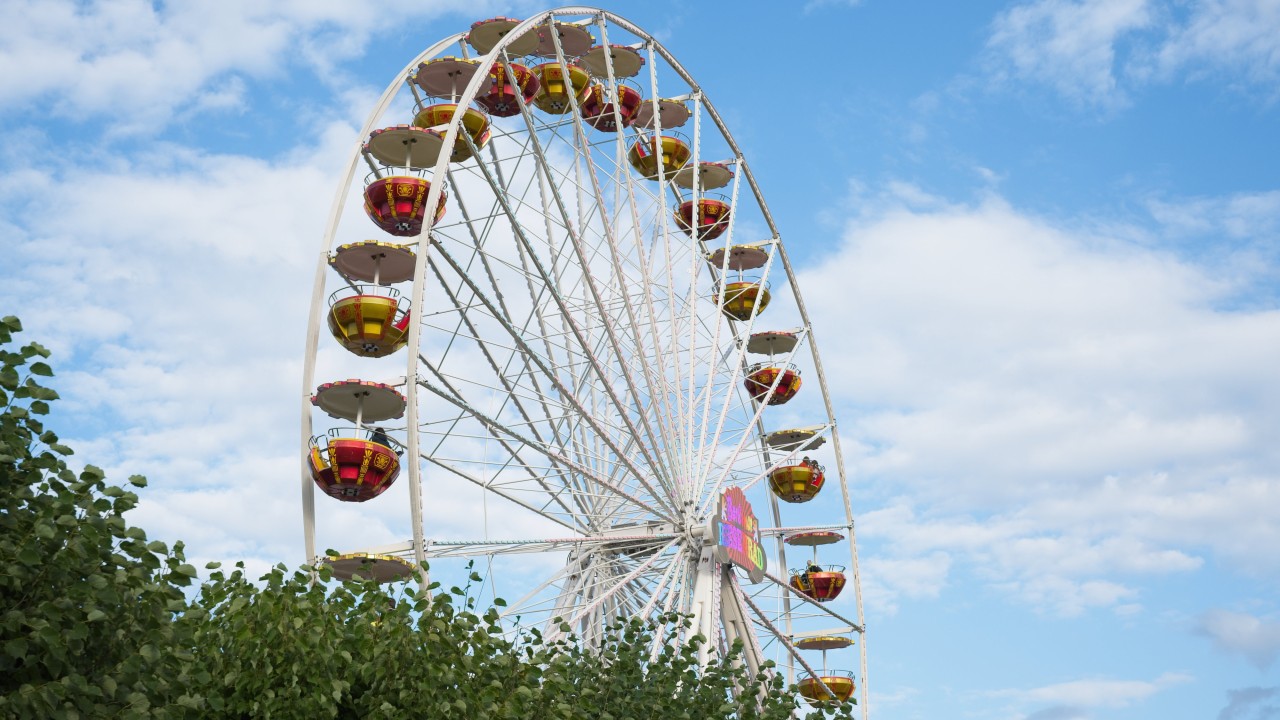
736	625
706	591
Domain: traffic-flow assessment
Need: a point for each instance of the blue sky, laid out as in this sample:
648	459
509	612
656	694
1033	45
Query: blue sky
1040	242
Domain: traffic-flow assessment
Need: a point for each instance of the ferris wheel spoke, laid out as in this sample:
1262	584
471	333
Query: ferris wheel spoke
536	486
738	361
499	428
698	420
604	378
613	586
661	472
570	484
738	352
513	453
605	315
577	128
678	443
673	600
571	570
575	521
521	346
660	386
673	567
514	353
462	548
512	395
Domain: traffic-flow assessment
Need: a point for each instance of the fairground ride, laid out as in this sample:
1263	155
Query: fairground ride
563	308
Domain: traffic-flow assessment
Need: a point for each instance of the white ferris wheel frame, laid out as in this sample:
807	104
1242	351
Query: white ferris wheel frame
712	583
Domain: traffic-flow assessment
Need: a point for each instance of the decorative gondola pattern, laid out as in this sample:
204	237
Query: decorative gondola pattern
570	327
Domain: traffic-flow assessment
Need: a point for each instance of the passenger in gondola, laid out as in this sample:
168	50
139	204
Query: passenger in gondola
806	577
379	436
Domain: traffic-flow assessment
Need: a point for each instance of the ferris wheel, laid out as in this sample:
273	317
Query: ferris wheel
558	311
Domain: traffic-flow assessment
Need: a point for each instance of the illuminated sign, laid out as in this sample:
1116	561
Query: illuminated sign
737	533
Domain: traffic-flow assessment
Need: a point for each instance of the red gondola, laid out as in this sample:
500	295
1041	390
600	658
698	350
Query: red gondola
761	378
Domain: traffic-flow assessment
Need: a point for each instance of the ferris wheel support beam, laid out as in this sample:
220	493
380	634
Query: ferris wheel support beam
736	622
706	586
579	586
737	627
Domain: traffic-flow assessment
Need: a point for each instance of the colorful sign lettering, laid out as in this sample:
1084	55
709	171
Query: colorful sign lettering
737	533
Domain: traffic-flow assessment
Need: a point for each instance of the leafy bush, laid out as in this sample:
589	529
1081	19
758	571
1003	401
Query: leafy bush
89	605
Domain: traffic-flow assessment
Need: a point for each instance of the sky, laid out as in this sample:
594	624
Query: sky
1039	242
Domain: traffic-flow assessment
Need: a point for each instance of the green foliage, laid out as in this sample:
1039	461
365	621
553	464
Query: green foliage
296	649
87	606
95	621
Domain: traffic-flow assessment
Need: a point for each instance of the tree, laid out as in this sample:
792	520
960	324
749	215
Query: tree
98	622
88	626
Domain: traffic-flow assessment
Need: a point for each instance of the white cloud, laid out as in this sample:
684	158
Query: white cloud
1241	216
1096	693
139	62
814	5
1069	597
170	326
1067	45
1257	639
1105	693
887	579
1095	52
1064	411
1252	703
1237	36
